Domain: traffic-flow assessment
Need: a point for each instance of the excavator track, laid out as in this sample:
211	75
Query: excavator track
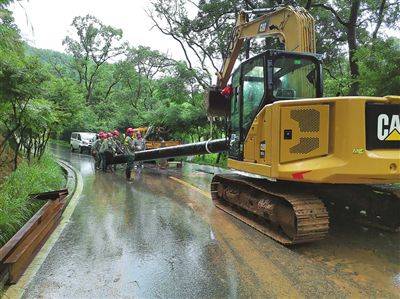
287	215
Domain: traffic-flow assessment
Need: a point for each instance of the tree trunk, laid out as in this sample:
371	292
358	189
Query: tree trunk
353	62
380	19
45	144
89	95
35	148
352	44
28	149
16	155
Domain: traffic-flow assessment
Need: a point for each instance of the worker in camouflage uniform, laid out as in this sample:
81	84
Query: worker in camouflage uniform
101	151
96	148
139	144
129	145
118	144
107	151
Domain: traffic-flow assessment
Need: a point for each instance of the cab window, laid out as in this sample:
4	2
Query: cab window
253	90
294	78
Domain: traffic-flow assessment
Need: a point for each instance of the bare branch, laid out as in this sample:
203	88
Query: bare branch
380	19
333	11
173	36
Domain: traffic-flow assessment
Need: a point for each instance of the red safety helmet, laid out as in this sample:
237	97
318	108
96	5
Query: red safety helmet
102	135
129	131
109	134
116	133
227	91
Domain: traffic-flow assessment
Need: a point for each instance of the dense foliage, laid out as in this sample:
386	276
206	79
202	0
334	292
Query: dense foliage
15	206
343	27
31	108
105	83
101	84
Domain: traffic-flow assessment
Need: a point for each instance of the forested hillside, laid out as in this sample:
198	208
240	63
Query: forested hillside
143	87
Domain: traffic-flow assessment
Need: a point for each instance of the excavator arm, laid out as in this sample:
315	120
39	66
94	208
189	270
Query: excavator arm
294	27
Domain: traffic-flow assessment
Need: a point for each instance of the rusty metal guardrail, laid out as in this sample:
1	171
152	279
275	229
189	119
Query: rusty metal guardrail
19	251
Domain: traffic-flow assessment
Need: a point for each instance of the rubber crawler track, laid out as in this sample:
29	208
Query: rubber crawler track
311	214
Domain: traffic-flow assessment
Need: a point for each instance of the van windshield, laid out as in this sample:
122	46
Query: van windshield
87	136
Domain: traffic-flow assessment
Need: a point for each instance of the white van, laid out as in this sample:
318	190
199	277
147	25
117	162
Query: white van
82	141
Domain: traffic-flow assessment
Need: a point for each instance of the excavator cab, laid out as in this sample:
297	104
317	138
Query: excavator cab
266	78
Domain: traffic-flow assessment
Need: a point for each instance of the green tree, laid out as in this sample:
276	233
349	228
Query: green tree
68	100
20	82
379	67
341	26
95	44
38	123
354	20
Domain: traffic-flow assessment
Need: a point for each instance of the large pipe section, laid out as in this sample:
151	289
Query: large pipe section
198	148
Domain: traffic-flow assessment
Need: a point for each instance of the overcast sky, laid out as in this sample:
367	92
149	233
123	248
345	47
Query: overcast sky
45	23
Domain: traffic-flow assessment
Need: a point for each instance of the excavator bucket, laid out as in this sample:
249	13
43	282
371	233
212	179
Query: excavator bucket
216	104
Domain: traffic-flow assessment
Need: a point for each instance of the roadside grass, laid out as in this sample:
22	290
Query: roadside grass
211	159
15	206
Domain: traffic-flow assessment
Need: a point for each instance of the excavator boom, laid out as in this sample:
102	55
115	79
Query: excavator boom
293	26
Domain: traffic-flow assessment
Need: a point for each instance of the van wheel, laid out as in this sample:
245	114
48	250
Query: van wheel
80	150
72	149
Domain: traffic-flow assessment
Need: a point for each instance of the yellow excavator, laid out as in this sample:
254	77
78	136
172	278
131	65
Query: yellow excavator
294	154
294	151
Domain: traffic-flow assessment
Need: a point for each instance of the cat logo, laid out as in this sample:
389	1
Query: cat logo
382	124
388	127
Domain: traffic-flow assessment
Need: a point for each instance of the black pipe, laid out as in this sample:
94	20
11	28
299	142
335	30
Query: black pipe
191	149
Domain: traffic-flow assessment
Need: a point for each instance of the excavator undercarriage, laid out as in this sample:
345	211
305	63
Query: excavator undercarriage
288	215
298	213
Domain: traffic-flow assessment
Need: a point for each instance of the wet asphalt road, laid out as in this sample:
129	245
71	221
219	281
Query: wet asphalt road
158	237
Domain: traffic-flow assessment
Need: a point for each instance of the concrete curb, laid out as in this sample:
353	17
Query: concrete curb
75	182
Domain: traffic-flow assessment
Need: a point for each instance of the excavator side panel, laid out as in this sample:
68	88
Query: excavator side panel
343	154
304	132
